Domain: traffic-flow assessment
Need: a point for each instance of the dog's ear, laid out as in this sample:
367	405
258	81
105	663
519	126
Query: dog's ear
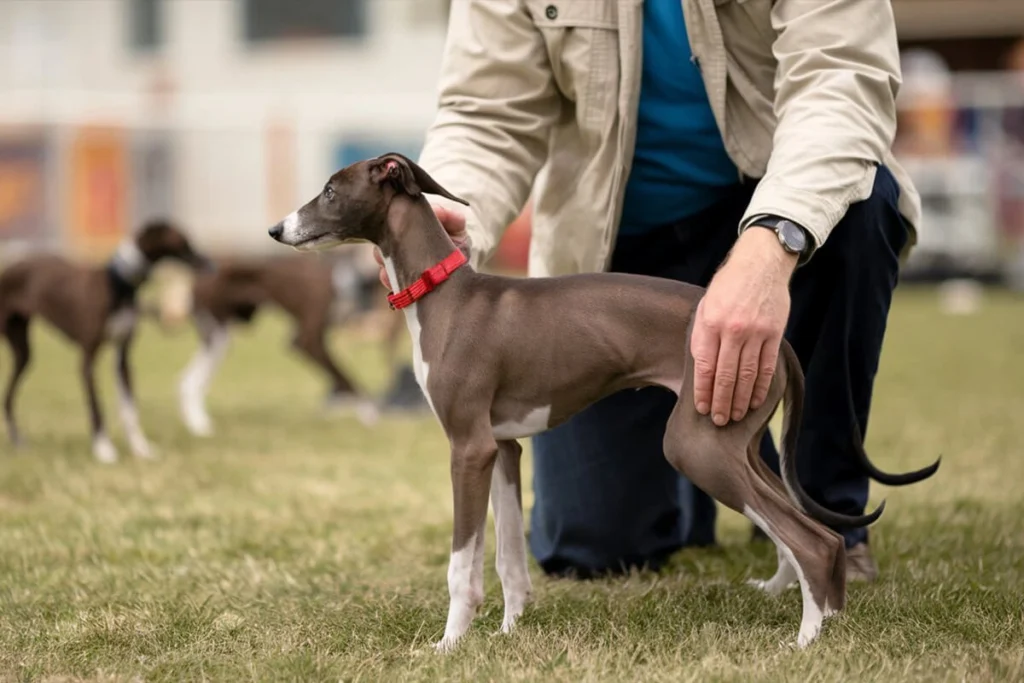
407	176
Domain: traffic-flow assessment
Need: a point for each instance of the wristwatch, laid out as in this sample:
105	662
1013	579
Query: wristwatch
792	237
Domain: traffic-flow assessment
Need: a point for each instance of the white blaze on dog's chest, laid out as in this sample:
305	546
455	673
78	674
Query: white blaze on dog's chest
130	263
420	367
534	422
120	324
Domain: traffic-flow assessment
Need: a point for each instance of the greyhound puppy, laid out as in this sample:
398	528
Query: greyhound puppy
89	305
502	358
314	293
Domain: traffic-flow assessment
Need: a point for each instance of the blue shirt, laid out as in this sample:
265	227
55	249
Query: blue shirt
680	165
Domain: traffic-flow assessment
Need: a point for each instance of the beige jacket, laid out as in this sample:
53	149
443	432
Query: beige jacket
541	96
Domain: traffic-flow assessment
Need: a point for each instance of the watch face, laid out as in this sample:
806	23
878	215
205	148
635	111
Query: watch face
792	237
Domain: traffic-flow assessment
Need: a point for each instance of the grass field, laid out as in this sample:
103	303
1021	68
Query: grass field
294	547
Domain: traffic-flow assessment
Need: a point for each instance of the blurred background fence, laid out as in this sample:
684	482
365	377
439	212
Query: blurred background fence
226	114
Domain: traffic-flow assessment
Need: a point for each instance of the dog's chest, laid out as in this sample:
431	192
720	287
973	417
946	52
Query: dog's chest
120	324
419	365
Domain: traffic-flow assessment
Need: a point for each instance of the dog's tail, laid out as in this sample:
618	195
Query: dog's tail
878	475
793	407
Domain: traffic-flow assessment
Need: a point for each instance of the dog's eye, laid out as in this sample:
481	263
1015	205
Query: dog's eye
328	193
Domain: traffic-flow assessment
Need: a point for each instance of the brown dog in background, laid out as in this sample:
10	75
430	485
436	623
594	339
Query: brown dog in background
315	293
89	305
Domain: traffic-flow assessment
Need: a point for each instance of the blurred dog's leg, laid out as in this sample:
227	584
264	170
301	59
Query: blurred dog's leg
195	381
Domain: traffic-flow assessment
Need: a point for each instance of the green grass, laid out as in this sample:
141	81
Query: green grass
291	546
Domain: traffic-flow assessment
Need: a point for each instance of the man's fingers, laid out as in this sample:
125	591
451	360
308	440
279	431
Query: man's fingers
452	220
746	377
704	348
382	273
765	373
725	379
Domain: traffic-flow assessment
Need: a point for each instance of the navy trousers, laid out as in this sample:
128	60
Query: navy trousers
606	500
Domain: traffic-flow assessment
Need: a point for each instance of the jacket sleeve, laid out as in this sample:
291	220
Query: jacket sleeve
497	105
835	106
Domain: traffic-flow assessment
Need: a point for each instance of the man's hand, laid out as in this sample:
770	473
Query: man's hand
454	223
739	326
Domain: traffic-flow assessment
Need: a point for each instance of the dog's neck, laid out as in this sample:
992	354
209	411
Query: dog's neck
129	265
413	241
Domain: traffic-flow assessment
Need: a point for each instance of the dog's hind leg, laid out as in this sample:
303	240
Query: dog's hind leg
102	447
716	460
472	462
510	556
195	381
811	549
129	414
785	575
310	340
16	331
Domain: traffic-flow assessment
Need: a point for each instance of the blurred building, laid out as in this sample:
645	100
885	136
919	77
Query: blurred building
960	137
226	114
223	114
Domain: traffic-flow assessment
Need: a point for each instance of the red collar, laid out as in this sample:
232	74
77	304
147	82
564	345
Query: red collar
430	279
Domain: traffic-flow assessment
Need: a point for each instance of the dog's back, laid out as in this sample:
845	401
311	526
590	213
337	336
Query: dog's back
62	292
301	285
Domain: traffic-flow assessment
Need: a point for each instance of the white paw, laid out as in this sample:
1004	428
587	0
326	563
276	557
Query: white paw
770	587
367	413
807	635
446	645
514	610
198	423
103	449
508	624
200	428
345	405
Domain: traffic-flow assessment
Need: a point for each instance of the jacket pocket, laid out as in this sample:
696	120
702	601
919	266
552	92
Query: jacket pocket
582	44
600	14
746	21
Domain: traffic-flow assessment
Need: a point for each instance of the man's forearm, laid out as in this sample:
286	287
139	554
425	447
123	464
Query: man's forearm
836	110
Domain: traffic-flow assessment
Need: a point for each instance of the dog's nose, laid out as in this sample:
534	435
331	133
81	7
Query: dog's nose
277	231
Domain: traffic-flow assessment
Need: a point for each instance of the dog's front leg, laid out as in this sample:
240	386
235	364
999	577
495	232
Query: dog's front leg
510	555
195	381
471	466
102	447
129	415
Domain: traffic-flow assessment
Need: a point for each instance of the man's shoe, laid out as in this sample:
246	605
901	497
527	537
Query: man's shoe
860	565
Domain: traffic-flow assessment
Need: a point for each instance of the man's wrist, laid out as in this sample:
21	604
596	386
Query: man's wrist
765	243
792	237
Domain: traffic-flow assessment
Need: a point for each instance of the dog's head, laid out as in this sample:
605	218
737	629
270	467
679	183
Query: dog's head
161	239
353	205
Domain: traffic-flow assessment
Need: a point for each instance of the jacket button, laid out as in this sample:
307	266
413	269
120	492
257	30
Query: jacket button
551	12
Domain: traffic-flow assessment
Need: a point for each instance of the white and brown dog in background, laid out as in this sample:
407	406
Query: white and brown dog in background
90	306
315	294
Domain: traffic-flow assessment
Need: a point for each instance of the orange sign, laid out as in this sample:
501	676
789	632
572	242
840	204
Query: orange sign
22	186
20	189
99	188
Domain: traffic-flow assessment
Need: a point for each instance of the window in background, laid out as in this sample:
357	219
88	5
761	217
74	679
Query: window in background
146	24
271	20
